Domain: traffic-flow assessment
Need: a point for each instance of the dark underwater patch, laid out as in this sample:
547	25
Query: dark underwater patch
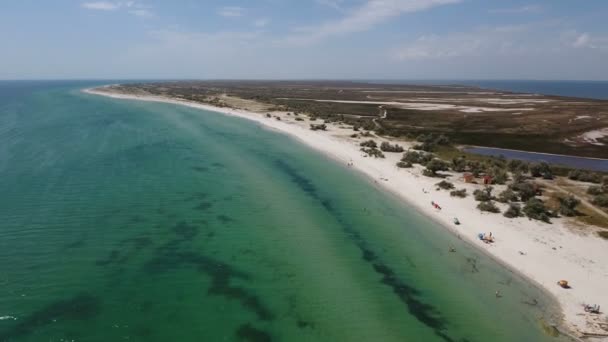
423	312
201	169
170	258
204	206
80	307
248	333
185	231
224	219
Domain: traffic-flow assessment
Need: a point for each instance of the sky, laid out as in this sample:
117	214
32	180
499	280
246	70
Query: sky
304	39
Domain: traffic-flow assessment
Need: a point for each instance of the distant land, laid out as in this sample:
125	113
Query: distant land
468	115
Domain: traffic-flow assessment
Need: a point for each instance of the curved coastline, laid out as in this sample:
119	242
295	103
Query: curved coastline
383	176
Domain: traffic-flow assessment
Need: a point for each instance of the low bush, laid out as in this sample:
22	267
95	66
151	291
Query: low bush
536	210
319	127
526	190
488	206
595	190
436	165
585	176
462	193
601	200
445	185
483	195
417	157
404	165
507	196
386	147
513	211
369	143
373	152
567	205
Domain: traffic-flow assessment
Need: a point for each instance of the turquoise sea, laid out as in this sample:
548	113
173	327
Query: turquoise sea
133	221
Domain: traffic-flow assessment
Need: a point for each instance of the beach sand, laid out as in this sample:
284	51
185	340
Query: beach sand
544	253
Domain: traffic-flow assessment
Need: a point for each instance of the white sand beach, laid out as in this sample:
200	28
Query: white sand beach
544	253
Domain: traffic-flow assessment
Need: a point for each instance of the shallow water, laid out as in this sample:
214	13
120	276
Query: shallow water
126	220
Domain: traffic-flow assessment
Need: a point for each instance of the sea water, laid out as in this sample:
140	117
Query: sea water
127	220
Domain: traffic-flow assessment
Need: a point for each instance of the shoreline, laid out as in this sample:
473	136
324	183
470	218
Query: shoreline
546	247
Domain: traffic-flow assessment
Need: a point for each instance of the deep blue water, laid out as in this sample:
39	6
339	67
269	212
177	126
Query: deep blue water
575	162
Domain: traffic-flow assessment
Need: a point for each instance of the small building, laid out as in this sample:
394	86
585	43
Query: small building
468	177
487	180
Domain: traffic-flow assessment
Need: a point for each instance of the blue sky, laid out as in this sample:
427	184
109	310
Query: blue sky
328	39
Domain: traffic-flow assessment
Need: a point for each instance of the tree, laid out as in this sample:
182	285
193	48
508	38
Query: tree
513	211
459	164
541	170
536	210
499	176
567	205
435	166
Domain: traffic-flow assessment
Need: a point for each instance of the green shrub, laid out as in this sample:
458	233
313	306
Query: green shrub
585	176
386	147
369	143
462	193
459	164
435	166
595	190
601	200
541	170
373	152
483	195
526	190
445	185
417	157
320	127
536	210
499	176
507	196
567	205
513	211
488	206
404	165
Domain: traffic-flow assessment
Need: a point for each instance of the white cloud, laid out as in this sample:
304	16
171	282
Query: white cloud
335	4
514	41
586	40
142	12
101	5
522	9
133	7
231	11
261	23
363	18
